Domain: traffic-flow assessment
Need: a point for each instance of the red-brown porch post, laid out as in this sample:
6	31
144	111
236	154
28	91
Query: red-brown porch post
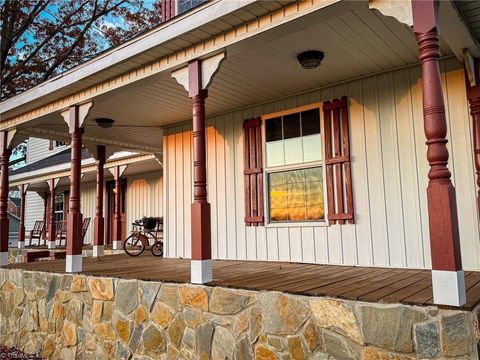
4	184
117	221
99	222
21	225
201	267
51	215
447	274
74	217
473	96
45	215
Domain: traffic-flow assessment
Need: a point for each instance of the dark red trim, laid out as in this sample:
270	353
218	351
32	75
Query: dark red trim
4	183
99	221
51	213
442	204
75	218
21	226
253	172
337	161
117	219
473	95
201	218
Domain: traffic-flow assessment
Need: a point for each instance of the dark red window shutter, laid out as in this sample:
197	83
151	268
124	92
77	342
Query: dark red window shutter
253	171
337	161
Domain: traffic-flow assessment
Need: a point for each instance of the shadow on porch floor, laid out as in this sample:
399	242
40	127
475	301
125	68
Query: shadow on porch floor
405	286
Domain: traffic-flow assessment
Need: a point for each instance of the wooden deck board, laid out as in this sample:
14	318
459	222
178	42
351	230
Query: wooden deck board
355	283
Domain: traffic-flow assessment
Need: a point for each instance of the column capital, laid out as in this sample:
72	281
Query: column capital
75	116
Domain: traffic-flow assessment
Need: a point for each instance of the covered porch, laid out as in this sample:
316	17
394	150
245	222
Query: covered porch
145	95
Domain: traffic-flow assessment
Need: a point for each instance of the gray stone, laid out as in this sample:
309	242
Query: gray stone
135	338
188	341
427	339
203	338
122	352
153	340
69	353
396	330
229	302
242	350
282	314
54	285
340	347
126	296
454	335
149	293
169	295
222	344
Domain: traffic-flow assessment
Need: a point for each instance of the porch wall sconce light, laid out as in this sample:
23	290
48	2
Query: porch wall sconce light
104	123
310	59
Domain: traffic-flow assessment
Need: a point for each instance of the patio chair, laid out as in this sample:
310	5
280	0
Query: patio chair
61	233
86	223
36	232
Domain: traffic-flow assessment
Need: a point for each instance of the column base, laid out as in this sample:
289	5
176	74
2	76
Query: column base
21	244
73	263
201	271
117	245
3	258
98	250
448	287
51	244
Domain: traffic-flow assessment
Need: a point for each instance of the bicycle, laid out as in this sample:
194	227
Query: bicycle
145	232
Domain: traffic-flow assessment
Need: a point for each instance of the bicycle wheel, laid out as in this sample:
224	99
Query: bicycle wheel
133	246
157	248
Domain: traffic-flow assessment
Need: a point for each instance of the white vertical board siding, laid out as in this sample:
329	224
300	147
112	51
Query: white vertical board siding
37	149
88	203
144	196
389	174
34	207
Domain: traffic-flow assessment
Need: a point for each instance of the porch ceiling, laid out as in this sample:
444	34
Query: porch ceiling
356	42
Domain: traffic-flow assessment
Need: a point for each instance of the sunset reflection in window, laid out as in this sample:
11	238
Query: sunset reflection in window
296	195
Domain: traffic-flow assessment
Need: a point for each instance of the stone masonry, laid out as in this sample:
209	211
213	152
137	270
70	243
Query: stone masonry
60	316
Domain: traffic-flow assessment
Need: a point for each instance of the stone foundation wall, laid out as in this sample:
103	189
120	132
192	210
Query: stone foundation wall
78	317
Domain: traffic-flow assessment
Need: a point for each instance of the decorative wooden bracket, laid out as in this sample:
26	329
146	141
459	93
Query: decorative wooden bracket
208	69
83	111
400	10
118	171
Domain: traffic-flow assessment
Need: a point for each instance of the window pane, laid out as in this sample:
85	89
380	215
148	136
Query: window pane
291	126
278	196
275	153
312	148
293	151
311	122
296	195
273	129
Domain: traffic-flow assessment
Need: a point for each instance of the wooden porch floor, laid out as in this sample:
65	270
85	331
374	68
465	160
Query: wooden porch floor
355	283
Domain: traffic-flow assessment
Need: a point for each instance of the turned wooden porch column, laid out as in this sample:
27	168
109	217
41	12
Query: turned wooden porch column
473	96
201	222
74	118
45	215
99	222
51	215
195	78
447	274
117	217
4	184
21	225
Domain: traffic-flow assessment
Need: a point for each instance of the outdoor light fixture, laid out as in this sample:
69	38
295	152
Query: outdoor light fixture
310	59
105	123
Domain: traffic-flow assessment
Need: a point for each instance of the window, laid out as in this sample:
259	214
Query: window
294	166
296	195
293	138
59	207
185	5
59	143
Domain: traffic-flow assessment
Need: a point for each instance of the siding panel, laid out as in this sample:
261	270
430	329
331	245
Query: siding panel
389	174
